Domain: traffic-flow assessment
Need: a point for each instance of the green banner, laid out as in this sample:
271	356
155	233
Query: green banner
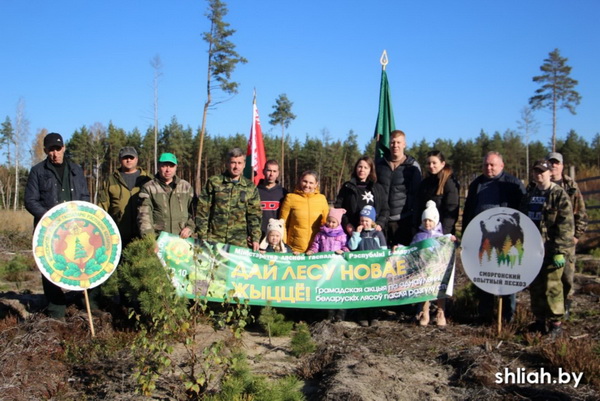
378	278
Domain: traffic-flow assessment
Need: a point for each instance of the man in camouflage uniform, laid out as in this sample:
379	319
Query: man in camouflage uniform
548	206
229	206
166	202
119	196
580	218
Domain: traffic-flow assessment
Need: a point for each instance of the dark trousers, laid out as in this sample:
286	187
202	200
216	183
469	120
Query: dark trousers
486	306
400	232
57	300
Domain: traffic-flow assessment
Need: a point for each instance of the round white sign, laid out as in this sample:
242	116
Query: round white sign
502	251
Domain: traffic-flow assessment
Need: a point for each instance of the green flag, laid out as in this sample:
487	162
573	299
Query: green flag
385	119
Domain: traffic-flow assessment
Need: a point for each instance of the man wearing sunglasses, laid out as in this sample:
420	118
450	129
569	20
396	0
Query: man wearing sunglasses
119	196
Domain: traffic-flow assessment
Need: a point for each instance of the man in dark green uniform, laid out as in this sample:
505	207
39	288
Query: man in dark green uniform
548	206
166	202
229	206
579	215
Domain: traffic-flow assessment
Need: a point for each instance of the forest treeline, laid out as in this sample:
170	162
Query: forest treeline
96	149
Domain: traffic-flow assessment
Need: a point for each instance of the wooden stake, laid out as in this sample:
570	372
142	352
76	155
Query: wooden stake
89	313
499	315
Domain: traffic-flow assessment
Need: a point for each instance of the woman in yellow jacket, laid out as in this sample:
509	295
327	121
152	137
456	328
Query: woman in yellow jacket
304	211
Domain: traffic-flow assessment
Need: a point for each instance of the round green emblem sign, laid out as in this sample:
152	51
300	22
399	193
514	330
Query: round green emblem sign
76	245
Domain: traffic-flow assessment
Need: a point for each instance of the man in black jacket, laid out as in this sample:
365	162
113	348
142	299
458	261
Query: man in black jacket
493	188
400	175
53	181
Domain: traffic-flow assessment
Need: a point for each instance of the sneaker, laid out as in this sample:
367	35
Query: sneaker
363	323
374	323
440	318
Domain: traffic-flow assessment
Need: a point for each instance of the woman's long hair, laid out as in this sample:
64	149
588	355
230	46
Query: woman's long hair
372	174
444	174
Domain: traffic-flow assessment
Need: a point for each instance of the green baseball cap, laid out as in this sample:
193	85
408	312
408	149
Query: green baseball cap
167	158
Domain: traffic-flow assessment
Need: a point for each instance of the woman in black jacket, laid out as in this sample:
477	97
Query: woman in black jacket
439	186
362	190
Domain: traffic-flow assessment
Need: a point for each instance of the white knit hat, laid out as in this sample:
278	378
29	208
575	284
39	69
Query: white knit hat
274	225
431	213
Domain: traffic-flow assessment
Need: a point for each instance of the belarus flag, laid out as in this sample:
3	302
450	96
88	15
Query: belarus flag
255	156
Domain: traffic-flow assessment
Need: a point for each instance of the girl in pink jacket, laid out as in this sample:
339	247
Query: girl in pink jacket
331	237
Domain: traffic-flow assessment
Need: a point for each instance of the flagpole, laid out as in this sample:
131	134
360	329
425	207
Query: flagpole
253	106
383	60
385	116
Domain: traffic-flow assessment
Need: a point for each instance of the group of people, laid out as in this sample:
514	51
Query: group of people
384	204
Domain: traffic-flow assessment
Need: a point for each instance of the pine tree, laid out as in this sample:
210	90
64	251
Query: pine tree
222	60
557	90
282	116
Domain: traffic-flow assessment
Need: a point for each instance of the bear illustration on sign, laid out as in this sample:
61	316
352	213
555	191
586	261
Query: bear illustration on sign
502	238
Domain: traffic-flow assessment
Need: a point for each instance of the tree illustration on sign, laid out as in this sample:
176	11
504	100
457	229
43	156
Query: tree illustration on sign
80	252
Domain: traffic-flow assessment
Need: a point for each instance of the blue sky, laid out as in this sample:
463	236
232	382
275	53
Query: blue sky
455	67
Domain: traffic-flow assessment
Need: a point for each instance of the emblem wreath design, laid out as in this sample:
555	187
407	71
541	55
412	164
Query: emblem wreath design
77	245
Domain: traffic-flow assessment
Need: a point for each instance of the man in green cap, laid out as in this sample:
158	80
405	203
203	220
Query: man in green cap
166	202
229	206
119	195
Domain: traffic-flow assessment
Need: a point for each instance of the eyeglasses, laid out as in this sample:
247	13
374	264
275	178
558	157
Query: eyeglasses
128	157
553	162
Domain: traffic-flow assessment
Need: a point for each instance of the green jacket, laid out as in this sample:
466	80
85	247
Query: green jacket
576	198
165	207
556	224
122	203
229	212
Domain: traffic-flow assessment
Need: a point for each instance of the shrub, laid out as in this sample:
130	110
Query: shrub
242	384
274	323
166	319
302	343
15	269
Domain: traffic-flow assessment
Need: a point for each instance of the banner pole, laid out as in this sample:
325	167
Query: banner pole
89	312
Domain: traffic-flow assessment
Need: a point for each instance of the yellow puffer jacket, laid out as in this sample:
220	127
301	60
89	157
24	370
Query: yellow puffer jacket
303	214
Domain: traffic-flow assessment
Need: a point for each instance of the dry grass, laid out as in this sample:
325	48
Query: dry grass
19	220
575	355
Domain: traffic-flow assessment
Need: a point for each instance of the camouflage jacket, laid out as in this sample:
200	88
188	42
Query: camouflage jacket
229	212
165	207
576	198
122	203
556	224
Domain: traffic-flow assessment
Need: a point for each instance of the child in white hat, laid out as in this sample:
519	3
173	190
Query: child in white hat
273	241
430	228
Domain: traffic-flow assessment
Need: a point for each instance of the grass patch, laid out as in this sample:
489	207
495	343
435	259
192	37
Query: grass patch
15	270
572	355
